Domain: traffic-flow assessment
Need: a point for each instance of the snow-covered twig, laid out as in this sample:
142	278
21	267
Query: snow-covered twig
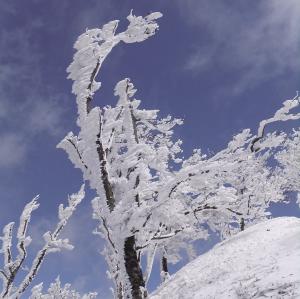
12	266
282	114
52	244
57	291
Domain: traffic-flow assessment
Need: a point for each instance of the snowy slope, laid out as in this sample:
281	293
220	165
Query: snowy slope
261	262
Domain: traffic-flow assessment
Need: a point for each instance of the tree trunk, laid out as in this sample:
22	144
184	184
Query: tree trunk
133	269
164	264
242	224
164	269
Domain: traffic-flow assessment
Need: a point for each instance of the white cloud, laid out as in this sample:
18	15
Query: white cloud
12	149
45	116
27	107
260	40
23	124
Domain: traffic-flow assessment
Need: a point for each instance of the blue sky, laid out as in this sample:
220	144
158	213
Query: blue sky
221	65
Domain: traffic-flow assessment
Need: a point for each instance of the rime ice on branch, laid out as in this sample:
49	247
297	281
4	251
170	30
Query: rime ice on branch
93	47
91	149
282	114
12	266
144	204
56	291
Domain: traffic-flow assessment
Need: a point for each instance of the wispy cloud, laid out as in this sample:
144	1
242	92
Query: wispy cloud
8	7
27	106
12	149
259	40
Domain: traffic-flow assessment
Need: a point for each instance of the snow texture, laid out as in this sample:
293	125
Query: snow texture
260	262
57	291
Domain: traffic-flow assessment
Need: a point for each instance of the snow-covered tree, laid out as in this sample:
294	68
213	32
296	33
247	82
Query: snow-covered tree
237	185
145	205
13	266
106	136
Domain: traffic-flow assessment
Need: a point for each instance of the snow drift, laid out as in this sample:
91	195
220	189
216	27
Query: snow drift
261	262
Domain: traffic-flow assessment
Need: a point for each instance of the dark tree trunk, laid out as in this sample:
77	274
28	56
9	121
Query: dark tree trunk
164	269
242	224
133	269
164	264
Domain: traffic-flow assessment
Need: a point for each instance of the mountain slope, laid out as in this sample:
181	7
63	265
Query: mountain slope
261	262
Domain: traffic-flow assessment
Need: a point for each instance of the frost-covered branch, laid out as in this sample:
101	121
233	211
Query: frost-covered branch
12	266
282	114
93	47
100	148
52	244
57	291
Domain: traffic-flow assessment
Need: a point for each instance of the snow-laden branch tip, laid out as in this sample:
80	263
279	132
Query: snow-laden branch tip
12	266
282	114
93	46
57	291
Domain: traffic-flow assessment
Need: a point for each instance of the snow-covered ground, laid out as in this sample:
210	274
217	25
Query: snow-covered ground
261	262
